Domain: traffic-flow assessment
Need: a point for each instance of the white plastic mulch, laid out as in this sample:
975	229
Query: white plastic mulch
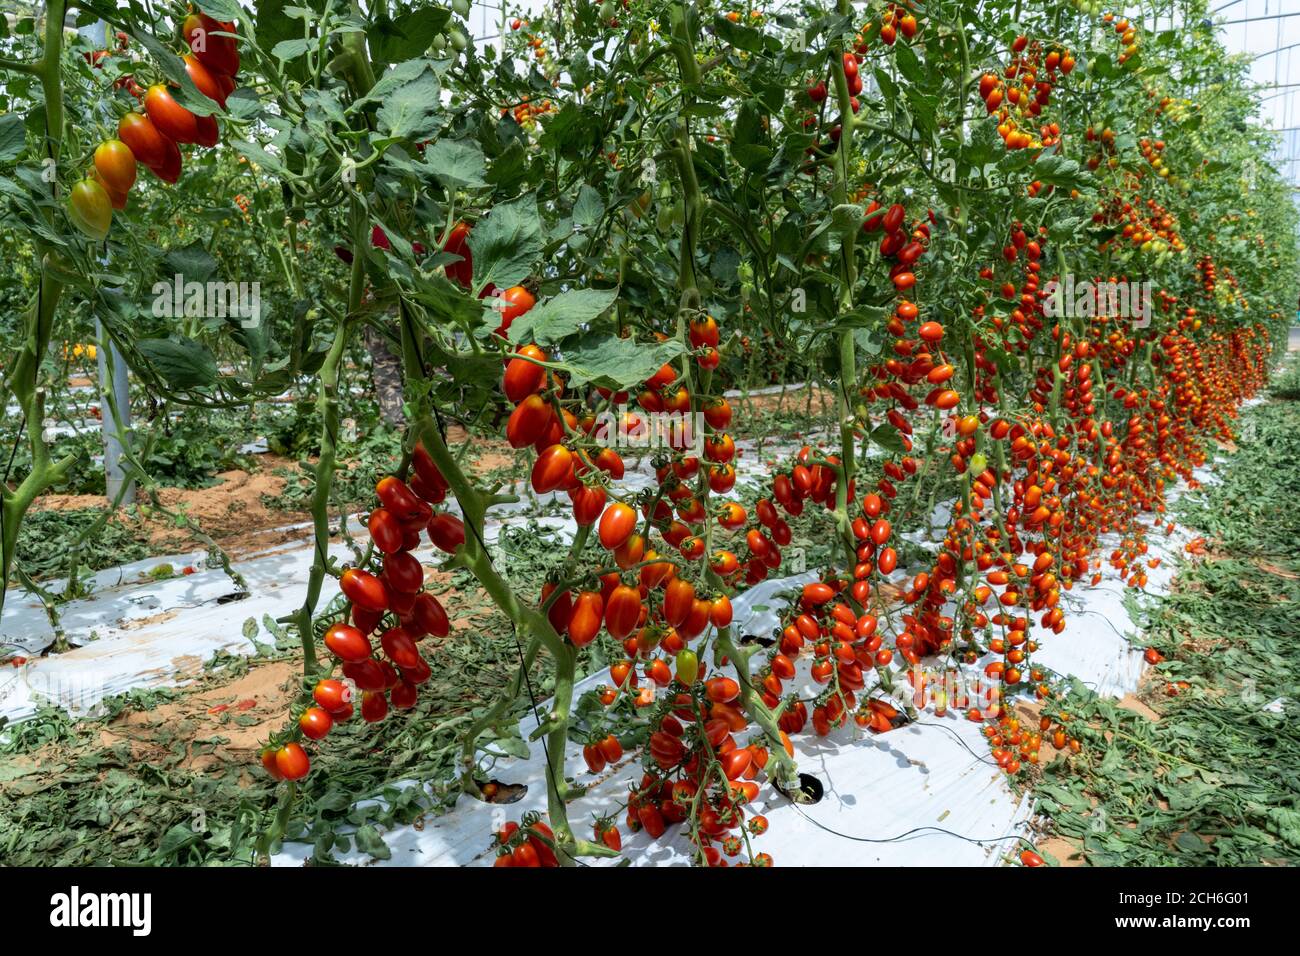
926	793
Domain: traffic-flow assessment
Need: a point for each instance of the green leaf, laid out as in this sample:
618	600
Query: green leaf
181	363
888	438
456	163
408	35
13	137
192	262
615	362
588	207
562	315
369	841
507	243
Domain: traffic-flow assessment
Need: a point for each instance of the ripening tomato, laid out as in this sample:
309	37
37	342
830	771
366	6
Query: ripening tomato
115	165
585	619
292	761
147	145
90	209
315	723
364	589
171	119
720	611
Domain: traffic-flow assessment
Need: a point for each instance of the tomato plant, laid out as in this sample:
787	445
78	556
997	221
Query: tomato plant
614	214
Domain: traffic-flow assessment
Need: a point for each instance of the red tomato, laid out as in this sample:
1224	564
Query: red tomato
347	643
364	589
315	723
616	525
218	53
205	80
171	119
386	531
292	761
143	139
333	695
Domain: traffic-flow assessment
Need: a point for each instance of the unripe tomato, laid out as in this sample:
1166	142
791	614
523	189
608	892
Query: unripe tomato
90	209
688	666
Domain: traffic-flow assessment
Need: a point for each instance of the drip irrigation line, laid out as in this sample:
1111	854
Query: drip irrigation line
902	836
988	761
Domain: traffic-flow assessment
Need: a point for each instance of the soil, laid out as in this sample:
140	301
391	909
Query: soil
233	511
243	712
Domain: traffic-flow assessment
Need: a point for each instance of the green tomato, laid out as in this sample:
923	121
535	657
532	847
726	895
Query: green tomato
978	462
461	7
90	209
688	666
459	41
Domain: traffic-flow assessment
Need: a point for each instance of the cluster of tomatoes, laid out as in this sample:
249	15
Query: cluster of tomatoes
896	19
151	138
1145	224
1128	36
392	603
1019	95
